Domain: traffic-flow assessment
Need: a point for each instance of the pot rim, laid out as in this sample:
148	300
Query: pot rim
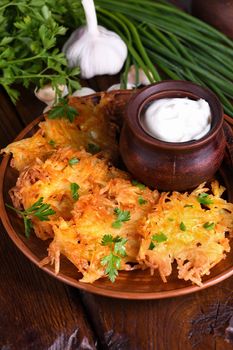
166	89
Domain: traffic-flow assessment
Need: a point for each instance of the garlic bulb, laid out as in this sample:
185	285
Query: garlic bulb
142	78
84	91
93	48
118	87
47	93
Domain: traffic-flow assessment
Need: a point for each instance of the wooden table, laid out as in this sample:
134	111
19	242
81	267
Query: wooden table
38	312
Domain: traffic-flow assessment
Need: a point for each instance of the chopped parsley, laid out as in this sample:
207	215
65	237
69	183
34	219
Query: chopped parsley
138	184
157	238
52	143
74	190
209	225
141	200
73	161
204	198
182	226
151	246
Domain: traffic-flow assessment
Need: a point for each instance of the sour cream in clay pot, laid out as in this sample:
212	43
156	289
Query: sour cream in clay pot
172	137
177	119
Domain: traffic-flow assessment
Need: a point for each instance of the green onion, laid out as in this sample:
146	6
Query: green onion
183	47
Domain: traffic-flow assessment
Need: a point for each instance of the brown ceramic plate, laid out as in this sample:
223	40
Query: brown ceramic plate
133	285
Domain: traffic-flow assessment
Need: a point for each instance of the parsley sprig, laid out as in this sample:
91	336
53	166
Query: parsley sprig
122	216
117	252
63	110
39	209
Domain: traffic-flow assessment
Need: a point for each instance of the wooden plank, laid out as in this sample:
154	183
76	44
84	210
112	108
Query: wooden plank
160	324
28	106
37	311
10	124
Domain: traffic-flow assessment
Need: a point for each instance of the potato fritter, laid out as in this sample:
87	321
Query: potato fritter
91	129
183	229
52	180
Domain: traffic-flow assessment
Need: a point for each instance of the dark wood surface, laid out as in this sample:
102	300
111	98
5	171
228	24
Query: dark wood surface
40	313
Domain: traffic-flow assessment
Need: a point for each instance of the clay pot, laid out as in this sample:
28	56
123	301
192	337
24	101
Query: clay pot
169	165
218	13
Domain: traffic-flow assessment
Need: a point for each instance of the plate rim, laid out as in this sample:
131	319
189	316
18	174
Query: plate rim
87	287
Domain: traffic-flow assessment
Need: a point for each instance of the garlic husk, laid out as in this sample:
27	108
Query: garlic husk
142	77
84	91
118	87
47	93
96	50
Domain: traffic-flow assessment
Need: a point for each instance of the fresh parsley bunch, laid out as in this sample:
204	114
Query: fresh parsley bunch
31	35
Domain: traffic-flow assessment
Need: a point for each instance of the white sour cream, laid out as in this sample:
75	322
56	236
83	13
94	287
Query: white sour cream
177	119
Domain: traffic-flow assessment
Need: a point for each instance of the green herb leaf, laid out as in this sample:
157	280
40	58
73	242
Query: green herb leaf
138	184
122	216
117	224
52	143
63	110
188	206
106	240
73	161
117	251
44	212
74	190
141	200
93	148
120	248
112	263
160	237
39	209
27	226
151	246
209	225
203	198
182	226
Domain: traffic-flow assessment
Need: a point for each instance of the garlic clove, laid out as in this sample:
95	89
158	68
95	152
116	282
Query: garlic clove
84	91
47	93
96	50
142	77
118	87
